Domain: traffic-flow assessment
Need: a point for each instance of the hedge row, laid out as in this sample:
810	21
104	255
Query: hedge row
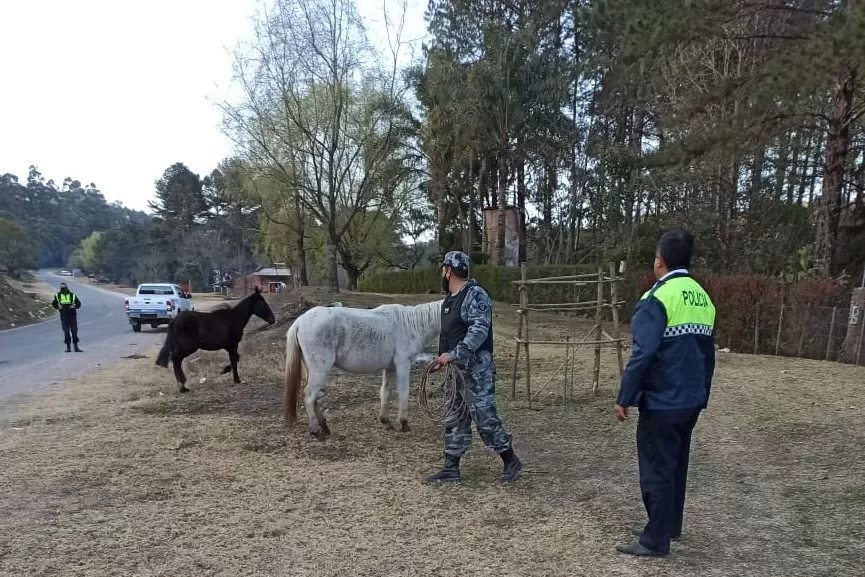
498	280
742	301
749	309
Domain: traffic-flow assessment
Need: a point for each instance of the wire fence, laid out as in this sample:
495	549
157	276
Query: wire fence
801	331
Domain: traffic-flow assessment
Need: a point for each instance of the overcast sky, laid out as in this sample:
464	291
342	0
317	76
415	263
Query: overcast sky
114	92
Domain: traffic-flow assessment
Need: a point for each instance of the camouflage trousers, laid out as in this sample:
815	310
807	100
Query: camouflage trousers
480	380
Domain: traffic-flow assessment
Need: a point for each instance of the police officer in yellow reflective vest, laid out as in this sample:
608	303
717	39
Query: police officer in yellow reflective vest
68	304
668	377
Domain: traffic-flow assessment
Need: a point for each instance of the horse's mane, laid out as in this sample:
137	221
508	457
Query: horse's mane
222	307
418	317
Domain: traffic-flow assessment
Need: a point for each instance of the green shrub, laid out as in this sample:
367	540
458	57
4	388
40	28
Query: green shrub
497	280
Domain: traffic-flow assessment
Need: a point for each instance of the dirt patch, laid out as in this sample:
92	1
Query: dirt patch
24	301
117	474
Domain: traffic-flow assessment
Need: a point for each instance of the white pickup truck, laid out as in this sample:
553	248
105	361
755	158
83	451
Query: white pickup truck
156	304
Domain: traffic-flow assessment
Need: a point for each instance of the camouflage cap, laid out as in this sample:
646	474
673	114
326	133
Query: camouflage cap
456	259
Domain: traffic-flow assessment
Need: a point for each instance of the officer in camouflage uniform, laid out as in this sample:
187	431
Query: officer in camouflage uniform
467	340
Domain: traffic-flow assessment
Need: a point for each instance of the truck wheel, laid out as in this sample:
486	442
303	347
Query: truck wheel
136	327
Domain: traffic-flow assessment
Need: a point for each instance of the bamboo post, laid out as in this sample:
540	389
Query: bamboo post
523	319
802	332
525	274
520	313
831	331
567	365
757	330
599	335
573	368
778	334
614	300
859	344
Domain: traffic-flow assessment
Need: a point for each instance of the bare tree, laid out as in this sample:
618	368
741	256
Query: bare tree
319	110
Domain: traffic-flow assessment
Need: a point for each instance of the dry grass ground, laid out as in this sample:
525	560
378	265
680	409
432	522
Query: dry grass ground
119	475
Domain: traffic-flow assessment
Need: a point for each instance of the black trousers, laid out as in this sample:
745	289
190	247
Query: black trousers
69	322
663	450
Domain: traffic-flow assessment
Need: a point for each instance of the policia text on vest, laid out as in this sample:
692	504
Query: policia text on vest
674	354
68	304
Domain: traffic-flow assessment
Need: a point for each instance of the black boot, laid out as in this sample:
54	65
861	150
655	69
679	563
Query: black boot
77	350
68	348
511	465
450	473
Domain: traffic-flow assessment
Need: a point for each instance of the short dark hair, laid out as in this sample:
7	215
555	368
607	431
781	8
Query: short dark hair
676	247
460	272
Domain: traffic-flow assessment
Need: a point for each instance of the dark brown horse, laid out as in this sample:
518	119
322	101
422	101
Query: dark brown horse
211	331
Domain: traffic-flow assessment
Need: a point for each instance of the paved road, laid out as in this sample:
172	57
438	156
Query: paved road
33	357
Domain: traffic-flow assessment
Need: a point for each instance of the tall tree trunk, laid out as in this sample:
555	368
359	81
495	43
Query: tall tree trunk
781	166
837	146
471	221
795	163
546	193
809	153
859	182
302	269
502	199
437	193
332	260
352	274
300	243
635	192
812	186
521	208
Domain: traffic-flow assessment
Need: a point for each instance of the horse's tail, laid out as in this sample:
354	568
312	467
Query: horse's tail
293	358
162	359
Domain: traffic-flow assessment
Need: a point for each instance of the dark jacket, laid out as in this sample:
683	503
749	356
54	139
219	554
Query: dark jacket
673	357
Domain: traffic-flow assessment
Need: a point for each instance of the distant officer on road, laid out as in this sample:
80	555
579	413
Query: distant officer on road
68	304
669	378
467	341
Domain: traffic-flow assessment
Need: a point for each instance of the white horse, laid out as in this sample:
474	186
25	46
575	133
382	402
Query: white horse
359	341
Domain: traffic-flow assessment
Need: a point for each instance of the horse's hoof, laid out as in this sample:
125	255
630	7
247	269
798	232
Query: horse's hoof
403	427
319	435
183	390
326	429
388	426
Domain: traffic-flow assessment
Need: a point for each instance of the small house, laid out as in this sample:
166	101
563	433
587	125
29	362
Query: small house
270	279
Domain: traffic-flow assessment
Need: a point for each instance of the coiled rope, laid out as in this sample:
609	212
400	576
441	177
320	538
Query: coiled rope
444	402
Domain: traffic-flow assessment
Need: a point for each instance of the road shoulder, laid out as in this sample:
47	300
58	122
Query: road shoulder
24	301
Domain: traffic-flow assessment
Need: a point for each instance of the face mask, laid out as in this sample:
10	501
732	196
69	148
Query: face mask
64	289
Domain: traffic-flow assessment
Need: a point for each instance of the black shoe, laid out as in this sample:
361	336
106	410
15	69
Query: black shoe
77	350
68	349
511	466
639	550
639	533
450	473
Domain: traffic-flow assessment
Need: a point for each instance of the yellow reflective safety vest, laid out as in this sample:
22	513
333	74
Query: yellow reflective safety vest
673	355
66	299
